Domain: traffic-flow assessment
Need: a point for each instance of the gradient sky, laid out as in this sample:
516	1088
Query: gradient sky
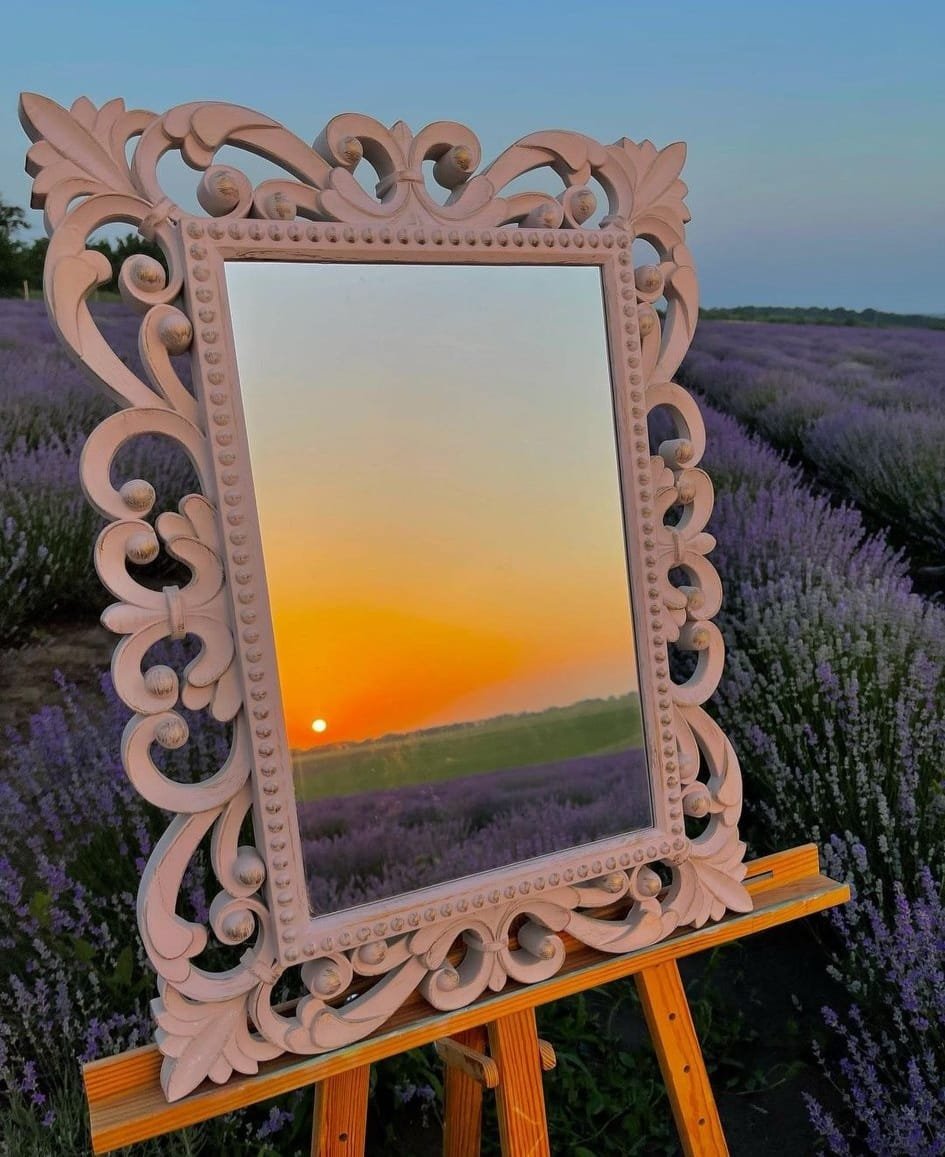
435	470
815	129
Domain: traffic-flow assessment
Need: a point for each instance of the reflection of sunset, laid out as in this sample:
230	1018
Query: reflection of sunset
377	669
442	534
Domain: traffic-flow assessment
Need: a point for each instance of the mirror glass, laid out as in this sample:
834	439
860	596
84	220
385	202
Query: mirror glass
435	469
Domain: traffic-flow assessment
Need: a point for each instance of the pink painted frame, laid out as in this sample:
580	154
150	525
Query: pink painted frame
212	1023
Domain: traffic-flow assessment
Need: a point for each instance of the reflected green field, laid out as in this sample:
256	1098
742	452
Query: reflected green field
591	727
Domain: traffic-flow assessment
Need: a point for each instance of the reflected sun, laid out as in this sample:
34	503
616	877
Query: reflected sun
319	725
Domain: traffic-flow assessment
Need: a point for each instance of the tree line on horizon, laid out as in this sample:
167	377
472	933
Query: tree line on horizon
821	315
21	263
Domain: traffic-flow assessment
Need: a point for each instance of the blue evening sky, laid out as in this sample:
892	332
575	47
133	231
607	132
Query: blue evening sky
816	130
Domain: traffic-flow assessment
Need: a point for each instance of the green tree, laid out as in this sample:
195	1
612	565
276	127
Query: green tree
23	261
33	258
12	220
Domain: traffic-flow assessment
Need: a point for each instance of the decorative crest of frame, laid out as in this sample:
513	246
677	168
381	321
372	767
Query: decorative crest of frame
214	1022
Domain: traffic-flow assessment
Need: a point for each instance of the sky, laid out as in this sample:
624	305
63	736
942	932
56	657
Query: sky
814	129
440	510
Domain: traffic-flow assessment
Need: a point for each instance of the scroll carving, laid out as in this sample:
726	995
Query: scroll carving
212	1023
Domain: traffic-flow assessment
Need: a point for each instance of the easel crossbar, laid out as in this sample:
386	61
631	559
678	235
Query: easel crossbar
126	1103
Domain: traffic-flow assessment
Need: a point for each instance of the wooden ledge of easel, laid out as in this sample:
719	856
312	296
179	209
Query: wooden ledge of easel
126	1103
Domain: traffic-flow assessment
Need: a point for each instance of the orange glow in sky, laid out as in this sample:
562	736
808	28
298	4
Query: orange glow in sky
435	472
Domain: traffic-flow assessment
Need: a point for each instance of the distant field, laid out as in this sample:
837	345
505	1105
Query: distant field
592	727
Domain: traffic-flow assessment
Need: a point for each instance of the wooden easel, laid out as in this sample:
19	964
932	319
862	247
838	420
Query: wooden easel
493	1044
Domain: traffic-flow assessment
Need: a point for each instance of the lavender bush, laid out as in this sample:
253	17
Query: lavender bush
46	527
42	396
835	698
74	837
864	408
835	664
844	689
890	463
890	1068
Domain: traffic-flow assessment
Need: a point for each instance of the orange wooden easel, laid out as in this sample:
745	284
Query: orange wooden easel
492	1044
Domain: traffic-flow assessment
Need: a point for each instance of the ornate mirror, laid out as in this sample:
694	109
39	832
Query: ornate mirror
436	574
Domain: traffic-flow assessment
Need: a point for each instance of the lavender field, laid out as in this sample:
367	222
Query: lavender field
381	843
864	408
834	696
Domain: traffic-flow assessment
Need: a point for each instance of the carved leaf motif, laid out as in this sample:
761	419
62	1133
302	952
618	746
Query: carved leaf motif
576	151
124	619
200	129
726	892
66	138
344	194
180	939
224	697
337	1027
657	173
74	277
686	292
201	1040
169	939
644	925
725	779
693	903
213	123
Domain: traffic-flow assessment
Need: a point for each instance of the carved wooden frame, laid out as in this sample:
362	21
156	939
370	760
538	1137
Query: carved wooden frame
214	1023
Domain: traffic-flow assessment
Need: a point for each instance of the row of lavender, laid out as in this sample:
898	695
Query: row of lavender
46	526
368	846
864	408
834	695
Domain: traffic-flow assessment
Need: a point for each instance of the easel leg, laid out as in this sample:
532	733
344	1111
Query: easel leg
520	1098
462	1097
340	1123
677	1048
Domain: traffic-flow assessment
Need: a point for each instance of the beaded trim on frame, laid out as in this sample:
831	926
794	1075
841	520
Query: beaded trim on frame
453	942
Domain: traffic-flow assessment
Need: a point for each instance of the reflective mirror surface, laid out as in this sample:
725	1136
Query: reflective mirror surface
436	477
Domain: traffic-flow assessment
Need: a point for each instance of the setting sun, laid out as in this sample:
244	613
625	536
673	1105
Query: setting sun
319	725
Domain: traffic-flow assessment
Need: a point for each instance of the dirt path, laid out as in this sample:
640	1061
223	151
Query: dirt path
80	651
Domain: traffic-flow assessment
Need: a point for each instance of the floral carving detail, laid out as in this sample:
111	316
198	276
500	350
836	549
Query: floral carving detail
214	1023
79	152
146	616
205	1040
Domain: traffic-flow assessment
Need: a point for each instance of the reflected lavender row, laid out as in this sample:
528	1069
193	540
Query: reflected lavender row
376	844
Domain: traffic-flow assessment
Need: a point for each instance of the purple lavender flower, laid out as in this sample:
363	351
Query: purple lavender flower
47	529
274	1123
863	408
